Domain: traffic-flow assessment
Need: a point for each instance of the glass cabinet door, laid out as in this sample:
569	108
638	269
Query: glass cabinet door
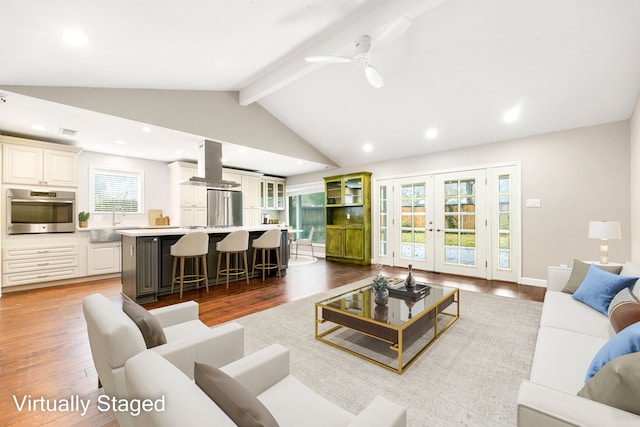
271	194
353	191
334	193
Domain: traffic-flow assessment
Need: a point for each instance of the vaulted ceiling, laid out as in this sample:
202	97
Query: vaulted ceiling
458	68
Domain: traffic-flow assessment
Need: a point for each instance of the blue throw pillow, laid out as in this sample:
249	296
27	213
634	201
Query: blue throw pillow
599	287
625	342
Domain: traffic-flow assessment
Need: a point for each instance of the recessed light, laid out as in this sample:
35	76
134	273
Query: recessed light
431	133
74	38
146	129
299	162
178	151
511	115
367	147
120	142
38	127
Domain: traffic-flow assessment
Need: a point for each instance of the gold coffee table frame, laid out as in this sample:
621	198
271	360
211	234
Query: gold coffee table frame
344	311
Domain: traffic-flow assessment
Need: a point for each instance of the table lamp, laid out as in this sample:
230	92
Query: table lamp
604	230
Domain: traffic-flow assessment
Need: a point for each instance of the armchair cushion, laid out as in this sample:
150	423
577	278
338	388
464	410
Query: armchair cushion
149	326
235	400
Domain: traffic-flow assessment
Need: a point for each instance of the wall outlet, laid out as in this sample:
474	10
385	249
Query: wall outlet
533	203
348	216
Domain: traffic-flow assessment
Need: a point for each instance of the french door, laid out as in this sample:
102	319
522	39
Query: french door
464	223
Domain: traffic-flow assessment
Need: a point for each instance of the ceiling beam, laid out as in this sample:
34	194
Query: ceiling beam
339	43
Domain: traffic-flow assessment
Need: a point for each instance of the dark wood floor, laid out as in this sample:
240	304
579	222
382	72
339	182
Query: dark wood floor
44	350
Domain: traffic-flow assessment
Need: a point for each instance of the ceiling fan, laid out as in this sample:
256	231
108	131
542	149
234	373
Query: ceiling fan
364	48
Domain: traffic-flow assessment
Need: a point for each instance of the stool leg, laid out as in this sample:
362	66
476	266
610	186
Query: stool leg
206	274
227	272
253	267
181	275
246	266
264	262
218	270
196	265
173	272
278	261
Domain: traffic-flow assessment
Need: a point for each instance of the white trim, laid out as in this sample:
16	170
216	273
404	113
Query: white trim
309	188
533	282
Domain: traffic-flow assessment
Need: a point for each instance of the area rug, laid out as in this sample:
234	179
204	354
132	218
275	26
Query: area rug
468	377
301	260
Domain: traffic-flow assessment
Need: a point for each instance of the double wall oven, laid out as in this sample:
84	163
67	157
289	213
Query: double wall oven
31	211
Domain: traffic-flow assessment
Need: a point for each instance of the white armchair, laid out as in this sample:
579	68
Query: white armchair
114	338
266	375
306	241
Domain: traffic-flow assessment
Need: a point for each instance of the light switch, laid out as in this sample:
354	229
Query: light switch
348	216
533	203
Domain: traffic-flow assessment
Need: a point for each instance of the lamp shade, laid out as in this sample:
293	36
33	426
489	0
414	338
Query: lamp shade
605	230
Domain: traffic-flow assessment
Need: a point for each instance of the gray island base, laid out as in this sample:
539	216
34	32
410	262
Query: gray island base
147	260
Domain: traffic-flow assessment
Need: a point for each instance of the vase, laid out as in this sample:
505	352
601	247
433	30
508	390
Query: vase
381	297
410	281
381	313
83	224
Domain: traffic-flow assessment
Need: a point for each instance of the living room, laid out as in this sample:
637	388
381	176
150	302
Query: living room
574	159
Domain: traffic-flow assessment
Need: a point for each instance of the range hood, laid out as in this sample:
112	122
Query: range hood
210	168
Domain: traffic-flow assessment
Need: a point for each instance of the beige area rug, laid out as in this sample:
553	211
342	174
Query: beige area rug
301	260
468	377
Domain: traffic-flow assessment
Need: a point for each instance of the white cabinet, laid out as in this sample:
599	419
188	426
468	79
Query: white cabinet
23	265
26	164
103	258
273	193
188	202
251	209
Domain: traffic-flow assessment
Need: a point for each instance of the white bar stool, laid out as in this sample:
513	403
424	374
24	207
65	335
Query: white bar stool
235	242
193	245
268	241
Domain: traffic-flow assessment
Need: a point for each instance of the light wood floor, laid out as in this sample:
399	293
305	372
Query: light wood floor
44	349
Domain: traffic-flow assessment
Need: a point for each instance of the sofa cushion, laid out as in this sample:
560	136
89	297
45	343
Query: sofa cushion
617	384
625	342
562	357
599	287
624	310
633	270
149	326
579	271
232	397
561	311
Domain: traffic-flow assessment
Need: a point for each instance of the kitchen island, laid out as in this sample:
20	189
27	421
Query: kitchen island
147	260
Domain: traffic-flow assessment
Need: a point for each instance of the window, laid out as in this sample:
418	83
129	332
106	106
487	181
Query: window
306	210
114	189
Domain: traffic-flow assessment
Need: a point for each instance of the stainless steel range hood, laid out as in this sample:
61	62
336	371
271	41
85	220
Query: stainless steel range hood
210	168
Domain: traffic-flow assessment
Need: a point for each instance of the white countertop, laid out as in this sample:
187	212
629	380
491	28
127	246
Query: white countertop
172	231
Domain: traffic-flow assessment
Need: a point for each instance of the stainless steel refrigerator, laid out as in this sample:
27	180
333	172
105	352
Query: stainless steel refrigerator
224	208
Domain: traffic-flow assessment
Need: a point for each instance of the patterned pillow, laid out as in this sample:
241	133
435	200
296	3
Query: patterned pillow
624	310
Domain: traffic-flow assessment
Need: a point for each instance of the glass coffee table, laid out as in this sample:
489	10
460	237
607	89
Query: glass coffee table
393	335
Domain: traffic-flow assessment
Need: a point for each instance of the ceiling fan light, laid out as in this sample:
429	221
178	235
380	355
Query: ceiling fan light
374	78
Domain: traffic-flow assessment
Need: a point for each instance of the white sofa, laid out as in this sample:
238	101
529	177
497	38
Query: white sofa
570	335
114	338
266	375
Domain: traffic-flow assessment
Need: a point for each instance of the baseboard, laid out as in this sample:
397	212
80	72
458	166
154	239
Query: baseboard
533	282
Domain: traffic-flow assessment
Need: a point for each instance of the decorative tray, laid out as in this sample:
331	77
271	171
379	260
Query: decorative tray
397	289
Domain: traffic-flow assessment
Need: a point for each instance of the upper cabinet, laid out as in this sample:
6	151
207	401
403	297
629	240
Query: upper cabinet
344	190
37	163
273	193
188	203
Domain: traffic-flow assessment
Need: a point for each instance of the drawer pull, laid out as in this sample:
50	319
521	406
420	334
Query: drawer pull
46	251
42	276
43	263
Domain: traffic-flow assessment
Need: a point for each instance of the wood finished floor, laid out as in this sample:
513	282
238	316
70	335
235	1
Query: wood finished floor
44	349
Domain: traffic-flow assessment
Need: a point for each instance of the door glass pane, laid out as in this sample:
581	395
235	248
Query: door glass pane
504	222
460	222
413	221
382	210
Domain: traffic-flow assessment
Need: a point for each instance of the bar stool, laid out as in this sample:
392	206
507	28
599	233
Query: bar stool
235	242
195	246
268	241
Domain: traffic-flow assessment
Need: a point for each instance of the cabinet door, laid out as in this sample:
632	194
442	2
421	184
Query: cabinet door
22	164
187	216
104	258
333	191
251	216
199	196
60	168
353	195
251	187
200	216
354	243
334	241
270	195
147	265
279	195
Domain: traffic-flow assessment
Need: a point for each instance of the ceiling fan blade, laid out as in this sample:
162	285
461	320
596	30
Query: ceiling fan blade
374	78
326	59
394	30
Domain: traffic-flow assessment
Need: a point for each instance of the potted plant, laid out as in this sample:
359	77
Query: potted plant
380	288
83	218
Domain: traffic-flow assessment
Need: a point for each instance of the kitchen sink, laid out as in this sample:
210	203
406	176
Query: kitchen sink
107	234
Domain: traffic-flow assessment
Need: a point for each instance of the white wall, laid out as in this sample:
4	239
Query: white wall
579	175
156	185
634	158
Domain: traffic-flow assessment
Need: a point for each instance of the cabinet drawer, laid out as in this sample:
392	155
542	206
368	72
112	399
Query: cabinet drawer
40	252
13	279
39	264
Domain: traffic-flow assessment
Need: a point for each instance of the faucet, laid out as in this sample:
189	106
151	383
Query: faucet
113	215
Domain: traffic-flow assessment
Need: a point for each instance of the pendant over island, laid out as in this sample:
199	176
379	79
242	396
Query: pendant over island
147	260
